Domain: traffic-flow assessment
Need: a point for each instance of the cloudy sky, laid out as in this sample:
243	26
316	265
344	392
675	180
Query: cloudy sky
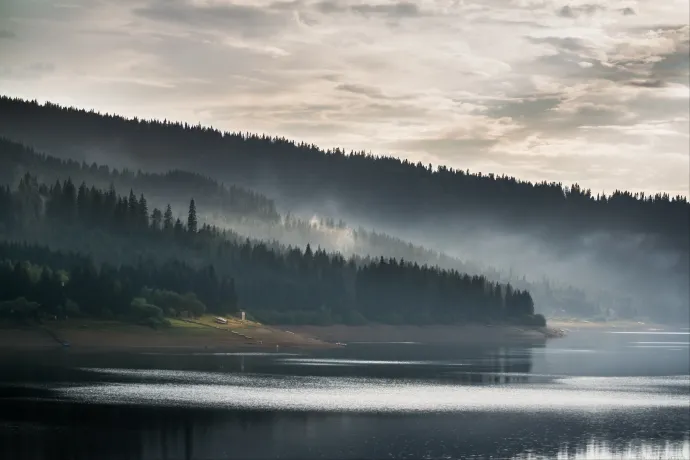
594	92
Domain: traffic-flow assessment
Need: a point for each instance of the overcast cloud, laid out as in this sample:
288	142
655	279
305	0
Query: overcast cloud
592	92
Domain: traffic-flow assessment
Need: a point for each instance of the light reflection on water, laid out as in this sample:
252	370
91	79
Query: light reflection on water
339	394
650	332
597	449
365	362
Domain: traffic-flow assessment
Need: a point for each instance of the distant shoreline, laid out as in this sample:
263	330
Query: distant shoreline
113	336
449	334
585	324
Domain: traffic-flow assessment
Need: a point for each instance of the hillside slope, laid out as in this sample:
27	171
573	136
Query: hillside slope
634	243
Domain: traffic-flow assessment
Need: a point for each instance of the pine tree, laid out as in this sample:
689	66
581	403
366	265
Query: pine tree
132	209
168	219
191	219
156	219
53	207
69	200
82	203
143	213
179	228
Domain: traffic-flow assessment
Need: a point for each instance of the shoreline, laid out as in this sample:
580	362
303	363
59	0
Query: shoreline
574	324
432	334
92	335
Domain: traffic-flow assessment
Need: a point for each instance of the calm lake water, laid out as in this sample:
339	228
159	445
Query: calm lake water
592	395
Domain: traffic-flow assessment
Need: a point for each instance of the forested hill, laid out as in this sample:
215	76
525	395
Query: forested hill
635	245
174	187
252	214
363	185
279	284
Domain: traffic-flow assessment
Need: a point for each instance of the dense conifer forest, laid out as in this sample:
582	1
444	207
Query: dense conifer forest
62	285
388	187
173	187
252	214
635	246
275	283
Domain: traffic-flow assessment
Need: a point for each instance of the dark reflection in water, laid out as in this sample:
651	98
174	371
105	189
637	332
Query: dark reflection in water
364	401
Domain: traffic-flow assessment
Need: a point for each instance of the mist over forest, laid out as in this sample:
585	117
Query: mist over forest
579	253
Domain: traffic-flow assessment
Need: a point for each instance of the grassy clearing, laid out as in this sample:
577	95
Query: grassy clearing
180	324
197	324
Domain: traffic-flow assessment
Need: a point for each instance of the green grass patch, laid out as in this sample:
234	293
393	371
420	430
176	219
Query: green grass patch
176	323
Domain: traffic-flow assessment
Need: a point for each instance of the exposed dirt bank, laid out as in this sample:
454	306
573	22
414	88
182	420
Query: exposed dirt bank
427	334
112	335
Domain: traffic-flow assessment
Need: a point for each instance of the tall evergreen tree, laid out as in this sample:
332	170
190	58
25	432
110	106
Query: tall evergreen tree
143	213
156	219
192	219
82	203
132	210
168	219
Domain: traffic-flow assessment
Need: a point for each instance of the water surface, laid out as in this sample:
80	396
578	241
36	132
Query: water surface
594	394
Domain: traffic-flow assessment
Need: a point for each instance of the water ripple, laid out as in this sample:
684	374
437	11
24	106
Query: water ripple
379	395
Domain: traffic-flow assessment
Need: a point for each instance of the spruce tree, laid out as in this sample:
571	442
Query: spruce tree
143	211
168	219
191	219
156	219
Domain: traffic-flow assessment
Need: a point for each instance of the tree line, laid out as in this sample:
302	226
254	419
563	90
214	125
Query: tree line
380	187
276	283
36	282
174	186
250	213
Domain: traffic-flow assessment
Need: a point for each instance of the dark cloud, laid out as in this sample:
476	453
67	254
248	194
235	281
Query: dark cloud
286	6
566	12
329	6
398	10
646	83
394	10
248	20
575	11
530	108
674	67
628	11
7	34
561	43
646	67
366	90
668	67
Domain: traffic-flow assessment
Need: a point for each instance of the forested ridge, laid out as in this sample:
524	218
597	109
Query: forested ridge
387	187
173	186
616	255
275	283
252	214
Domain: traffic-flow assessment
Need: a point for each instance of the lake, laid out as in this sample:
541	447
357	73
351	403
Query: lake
596	394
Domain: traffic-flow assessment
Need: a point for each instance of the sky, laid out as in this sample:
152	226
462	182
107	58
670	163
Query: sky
591	92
